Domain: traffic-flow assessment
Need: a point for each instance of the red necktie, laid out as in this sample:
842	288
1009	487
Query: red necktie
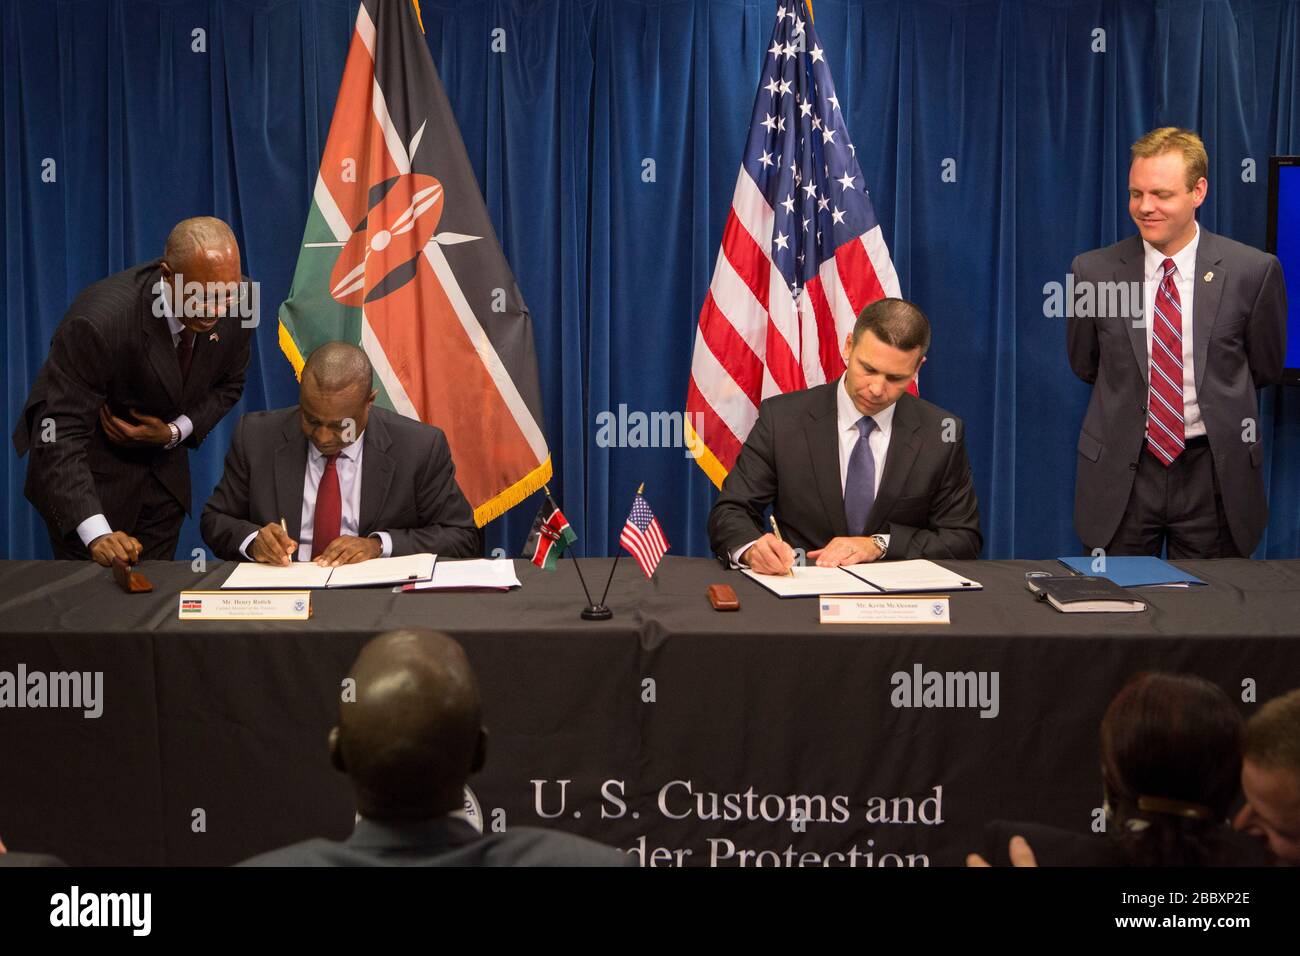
1165	435
329	508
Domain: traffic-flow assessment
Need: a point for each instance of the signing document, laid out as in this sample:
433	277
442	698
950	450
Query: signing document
305	574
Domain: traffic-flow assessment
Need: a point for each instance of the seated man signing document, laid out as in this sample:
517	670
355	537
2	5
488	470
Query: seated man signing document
856	470
336	481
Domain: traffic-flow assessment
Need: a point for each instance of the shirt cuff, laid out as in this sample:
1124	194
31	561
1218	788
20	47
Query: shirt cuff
735	555
184	426
386	541
243	548
96	526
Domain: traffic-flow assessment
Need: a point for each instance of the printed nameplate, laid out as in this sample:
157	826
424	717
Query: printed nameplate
894	609
245	605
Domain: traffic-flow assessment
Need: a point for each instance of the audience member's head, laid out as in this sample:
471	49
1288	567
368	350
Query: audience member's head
1270	777
411	733
1171	760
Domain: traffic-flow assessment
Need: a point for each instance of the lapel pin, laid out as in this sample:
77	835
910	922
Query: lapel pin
1209	276
214	337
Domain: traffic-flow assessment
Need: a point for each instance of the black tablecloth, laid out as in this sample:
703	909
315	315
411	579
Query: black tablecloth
713	737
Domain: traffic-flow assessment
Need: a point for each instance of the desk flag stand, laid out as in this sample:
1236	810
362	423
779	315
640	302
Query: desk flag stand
599	612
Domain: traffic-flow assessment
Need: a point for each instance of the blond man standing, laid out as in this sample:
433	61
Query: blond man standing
1170	454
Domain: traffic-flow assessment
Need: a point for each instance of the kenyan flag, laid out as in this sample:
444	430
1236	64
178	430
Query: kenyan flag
550	536
399	257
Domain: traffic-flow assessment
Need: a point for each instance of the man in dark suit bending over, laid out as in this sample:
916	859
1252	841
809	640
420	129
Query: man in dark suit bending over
143	365
856	470
408	739
349	481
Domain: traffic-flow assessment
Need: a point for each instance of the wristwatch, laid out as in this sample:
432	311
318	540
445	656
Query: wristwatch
176	435
881	543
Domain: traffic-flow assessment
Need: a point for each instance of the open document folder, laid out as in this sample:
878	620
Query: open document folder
303	575
878	577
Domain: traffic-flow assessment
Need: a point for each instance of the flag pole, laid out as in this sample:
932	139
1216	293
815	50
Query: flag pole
616	557
592	612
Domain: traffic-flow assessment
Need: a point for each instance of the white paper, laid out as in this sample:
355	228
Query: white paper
811	581
409	567
919	575
498	573
249	576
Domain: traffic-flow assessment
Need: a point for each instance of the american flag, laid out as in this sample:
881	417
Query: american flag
802	253
642	536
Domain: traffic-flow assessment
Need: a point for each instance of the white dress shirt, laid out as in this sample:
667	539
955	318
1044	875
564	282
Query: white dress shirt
847	417
96	526
348	467
1185	280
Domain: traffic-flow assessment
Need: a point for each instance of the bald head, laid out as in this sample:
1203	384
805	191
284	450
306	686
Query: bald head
194	241
413	734
337	367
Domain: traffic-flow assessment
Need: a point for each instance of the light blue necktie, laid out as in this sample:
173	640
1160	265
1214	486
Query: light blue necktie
860	482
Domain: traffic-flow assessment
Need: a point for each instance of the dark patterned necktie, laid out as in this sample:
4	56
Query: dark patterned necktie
185	352
860	480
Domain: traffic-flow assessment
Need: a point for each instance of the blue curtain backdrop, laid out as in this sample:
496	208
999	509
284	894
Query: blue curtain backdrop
147	121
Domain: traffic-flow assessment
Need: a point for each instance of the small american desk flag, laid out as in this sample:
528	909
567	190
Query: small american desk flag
802	253
642	536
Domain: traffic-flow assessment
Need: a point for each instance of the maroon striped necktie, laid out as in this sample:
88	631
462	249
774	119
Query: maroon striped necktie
1165	435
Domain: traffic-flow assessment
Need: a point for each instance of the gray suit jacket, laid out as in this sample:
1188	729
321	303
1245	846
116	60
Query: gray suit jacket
926	501
408	486
445	841
1239	345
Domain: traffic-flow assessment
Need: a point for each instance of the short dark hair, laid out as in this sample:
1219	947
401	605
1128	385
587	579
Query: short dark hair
897	323
337	366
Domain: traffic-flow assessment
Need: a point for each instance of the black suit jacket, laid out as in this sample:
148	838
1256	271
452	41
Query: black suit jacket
408	486
926	501
446	841
1053	846
111	348
1239	345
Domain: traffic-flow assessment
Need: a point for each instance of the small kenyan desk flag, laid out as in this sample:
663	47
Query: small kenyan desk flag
550	536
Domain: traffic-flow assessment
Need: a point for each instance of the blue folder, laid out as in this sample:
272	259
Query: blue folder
1136	572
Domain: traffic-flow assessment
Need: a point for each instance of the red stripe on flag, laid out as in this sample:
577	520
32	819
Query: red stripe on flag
346	148
828	340
858	275
718	438
746	258
781	361
732	352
